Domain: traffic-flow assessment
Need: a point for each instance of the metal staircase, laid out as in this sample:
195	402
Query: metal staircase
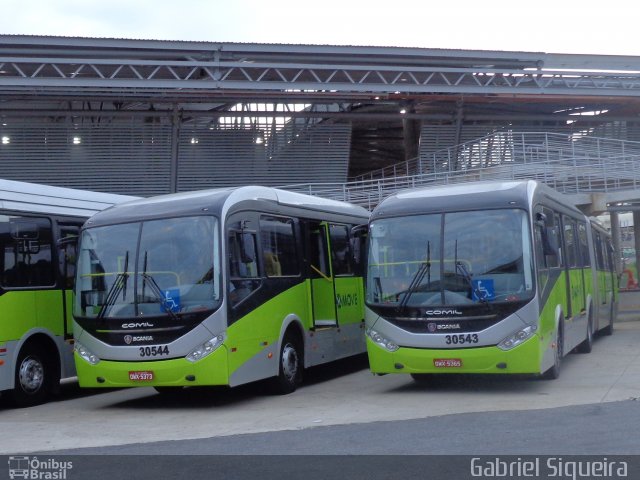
572	164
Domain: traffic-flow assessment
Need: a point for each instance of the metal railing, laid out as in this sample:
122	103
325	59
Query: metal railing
569	163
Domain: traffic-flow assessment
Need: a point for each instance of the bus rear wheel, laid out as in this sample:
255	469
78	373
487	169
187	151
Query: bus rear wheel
290	365
34	377
554	371
587	344
608	330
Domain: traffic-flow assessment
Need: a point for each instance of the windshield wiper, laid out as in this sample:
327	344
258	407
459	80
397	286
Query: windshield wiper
377	293
119	284
482	297
158	292
416	281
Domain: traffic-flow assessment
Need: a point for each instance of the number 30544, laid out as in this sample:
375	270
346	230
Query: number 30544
154	351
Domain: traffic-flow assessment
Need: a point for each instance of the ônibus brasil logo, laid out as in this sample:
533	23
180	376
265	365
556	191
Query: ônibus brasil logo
34	468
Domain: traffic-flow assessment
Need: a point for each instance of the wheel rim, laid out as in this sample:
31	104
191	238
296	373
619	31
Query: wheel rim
31	375
289	362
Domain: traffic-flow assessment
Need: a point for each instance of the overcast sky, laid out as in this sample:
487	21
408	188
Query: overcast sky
553	26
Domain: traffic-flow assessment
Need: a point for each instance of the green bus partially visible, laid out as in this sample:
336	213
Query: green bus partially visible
39	226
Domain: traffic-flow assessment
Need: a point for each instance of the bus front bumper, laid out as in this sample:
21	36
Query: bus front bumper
179	372
524	358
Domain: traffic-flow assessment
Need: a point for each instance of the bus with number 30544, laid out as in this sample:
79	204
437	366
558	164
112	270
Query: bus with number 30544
497	277
218	287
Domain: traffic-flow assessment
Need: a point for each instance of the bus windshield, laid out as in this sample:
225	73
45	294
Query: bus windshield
448	259
164	267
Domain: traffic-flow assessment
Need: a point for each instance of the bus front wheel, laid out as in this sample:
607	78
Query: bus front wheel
554	371
290	365
34	377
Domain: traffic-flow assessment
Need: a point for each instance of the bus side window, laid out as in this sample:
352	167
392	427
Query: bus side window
279	250
341	254
27	245
67	253
548	239
359	236
243	269
583	245
570	241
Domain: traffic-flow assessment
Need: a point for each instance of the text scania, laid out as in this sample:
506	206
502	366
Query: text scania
553	467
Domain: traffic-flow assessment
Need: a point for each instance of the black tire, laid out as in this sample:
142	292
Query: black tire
169	391
422	378
587	345
291	364
608	330
35	377
554	371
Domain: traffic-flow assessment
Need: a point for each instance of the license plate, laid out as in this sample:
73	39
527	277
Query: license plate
447	362
141	376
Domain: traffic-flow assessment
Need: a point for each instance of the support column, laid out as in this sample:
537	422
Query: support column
175	140
615	238
636	235
458	138
411	135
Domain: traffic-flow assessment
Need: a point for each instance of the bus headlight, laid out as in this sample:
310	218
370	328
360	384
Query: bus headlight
382	341
205	349
517	338
86	354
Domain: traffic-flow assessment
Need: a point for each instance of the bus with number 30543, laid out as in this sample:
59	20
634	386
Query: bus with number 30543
218	287
497	277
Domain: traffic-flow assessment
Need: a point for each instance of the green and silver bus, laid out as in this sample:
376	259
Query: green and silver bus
499	277
217	287
39	226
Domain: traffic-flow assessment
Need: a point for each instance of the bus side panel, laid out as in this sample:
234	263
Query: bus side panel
258	333
350	300
17	314
552	312
576	325
49	312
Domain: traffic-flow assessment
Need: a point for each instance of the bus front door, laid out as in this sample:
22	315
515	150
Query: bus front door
323	292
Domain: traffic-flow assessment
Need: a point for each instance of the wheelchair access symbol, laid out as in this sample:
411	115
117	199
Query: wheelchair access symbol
171	300
483	289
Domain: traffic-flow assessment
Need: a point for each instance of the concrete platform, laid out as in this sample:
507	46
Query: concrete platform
341	394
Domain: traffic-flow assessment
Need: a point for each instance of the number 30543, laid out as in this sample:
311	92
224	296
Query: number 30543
461	339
